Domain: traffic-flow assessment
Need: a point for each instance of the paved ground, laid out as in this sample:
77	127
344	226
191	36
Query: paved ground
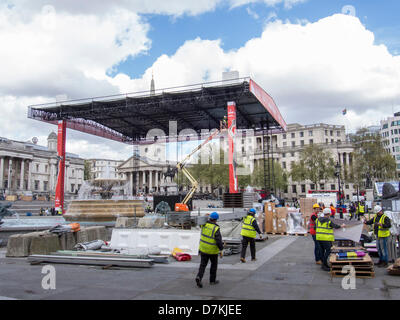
285	270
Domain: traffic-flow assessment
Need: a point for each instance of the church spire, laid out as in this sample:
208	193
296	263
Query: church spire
152	86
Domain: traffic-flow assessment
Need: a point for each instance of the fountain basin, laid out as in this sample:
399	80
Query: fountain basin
103	210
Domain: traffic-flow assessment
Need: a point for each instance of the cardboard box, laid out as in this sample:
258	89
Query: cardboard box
281	212
11	198
281	225
306	205
269	217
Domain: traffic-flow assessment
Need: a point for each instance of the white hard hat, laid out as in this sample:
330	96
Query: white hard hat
377	209
326	211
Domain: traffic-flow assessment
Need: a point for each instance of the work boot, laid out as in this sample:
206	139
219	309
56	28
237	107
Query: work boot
214	282
378	263
198	282
325	268
243	260
383	265
254	259
318	262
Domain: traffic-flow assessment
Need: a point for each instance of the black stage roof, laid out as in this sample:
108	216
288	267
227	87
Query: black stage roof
129	117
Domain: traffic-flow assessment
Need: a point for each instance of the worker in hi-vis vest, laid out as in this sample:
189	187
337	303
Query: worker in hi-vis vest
360	210
249	233
382	226
210	246
325	237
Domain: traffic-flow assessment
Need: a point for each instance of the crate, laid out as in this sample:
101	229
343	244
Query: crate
364	268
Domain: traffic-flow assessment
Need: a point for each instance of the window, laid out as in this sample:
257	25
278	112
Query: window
72	187
302	142
45	185
346	186
303	188
312	186
284	136
331	133
37	168
301	134
332	141
326	132
294	189
310	133
45	168
339	141
311	141
385	126
292	154
322	185
283	155
333	187
338	133
284	165
293	135
37	184
293	143
285	144
285	190
326	141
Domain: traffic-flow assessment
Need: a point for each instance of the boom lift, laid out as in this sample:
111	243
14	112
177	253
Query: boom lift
179	207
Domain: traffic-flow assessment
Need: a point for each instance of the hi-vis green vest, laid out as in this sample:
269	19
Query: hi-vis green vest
382	232
208	244
361	209
324	232
247	228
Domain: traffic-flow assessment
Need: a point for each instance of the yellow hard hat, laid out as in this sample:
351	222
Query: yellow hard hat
315	205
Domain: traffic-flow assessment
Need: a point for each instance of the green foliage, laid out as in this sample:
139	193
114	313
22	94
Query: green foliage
370	159
86	170
315	164
278	175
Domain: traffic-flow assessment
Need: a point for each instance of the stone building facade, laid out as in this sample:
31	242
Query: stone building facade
30	169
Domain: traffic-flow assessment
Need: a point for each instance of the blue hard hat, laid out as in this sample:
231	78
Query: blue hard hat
214	216
252	211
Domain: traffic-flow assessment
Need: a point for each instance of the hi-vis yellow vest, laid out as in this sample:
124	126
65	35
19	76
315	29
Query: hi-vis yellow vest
208	244
361	209
247	228
382	232
324	232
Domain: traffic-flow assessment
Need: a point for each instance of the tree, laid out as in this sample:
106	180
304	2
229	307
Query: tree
278	176
315	164
370	162
86	170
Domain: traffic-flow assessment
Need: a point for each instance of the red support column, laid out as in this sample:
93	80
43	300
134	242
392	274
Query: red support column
233	183
61	138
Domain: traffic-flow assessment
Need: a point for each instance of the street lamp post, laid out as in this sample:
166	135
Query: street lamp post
337	173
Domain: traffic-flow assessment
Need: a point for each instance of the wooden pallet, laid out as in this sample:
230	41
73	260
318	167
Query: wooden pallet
298	234
359	274
278	233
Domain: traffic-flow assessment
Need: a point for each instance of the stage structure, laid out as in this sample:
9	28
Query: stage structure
128	118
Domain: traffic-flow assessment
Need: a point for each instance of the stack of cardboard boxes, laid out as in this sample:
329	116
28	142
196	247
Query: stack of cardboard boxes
306	209
275	218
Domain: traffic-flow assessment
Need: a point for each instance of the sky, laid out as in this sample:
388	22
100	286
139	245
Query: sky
314	57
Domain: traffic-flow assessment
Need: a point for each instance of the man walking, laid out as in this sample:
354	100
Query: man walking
317	248
325	236
249	232
382	226
210	246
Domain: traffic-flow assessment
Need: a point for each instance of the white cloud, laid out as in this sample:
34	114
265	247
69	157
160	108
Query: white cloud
288	4
313	70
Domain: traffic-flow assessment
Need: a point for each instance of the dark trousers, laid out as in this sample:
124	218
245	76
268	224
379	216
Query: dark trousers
245	242
203	264
325	251
317	249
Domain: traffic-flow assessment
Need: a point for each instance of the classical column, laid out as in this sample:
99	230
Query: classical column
150	180
29	175
66	178
9	173
21	181
137	181
144	180
2	172
156	182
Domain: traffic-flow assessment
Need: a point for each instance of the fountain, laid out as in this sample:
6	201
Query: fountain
99	201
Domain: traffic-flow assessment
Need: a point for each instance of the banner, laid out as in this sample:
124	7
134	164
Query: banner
59	201
233	183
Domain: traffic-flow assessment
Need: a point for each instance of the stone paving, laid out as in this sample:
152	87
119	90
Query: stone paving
284	270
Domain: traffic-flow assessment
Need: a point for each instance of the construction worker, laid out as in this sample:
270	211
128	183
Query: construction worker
333	210
210	246
317	248
225	122
382	226
325	236
360	210
249	233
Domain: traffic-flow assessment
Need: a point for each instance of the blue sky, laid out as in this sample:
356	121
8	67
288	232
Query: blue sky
238	25
311	59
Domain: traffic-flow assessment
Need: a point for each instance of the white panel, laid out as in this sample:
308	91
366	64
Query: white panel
164	239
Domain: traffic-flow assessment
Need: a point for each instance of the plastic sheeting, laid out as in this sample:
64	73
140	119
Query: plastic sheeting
295	221
395	222
350	232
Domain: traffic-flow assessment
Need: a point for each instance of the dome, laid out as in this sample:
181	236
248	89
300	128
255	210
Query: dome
52	136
